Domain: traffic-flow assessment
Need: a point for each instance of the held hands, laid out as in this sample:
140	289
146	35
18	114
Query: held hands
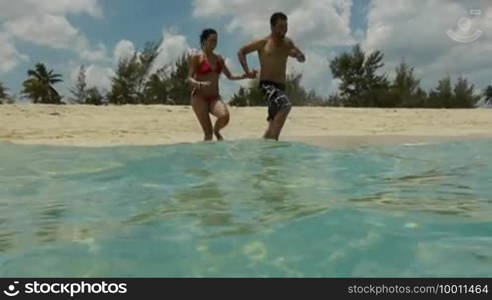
251	74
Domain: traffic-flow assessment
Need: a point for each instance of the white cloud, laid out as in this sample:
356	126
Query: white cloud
99	77
315	22
10	57
315	72
95	76
45	23
416	31
123	50
91	54
45	30
172	47
21	8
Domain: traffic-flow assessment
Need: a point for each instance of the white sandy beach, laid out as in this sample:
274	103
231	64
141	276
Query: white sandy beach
152	125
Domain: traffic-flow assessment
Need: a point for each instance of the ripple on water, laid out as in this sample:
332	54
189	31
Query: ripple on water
249	208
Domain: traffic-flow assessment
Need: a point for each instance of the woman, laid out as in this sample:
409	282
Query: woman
205	69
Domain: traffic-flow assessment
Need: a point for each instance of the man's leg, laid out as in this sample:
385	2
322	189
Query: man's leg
268	134
275	126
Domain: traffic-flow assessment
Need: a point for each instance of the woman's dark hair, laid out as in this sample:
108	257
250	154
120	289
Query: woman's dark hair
276	17
205	34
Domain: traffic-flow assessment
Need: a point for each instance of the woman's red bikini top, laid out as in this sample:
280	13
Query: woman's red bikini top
204	67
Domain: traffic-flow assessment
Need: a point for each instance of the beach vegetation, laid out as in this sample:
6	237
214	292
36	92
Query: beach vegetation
79	91
3	93
487	93
179	91
361	83
132	73
39	85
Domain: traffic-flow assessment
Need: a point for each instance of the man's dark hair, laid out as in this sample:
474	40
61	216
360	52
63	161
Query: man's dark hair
205	34
276	17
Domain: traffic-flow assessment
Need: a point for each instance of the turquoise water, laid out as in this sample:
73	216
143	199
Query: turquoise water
247	208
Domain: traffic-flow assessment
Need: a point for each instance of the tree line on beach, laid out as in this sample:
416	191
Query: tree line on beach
138	80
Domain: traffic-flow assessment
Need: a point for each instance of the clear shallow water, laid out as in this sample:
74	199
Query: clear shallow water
248	208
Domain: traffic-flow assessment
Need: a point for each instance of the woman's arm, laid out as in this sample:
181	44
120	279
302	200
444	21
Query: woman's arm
191	73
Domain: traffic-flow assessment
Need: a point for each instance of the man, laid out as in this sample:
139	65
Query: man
273	52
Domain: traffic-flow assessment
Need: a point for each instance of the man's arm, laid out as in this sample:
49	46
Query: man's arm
228	73
296	53
241	55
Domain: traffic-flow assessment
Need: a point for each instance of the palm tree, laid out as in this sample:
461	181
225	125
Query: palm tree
39	85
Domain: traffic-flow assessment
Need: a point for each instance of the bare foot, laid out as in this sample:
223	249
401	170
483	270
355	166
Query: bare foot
218	136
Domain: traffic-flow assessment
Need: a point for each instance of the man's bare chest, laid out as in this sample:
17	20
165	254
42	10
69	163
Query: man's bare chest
271	50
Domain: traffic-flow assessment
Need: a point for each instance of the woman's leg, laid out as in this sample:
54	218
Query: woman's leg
219	109
201	109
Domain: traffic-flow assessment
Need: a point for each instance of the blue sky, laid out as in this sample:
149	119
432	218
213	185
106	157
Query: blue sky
65	34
